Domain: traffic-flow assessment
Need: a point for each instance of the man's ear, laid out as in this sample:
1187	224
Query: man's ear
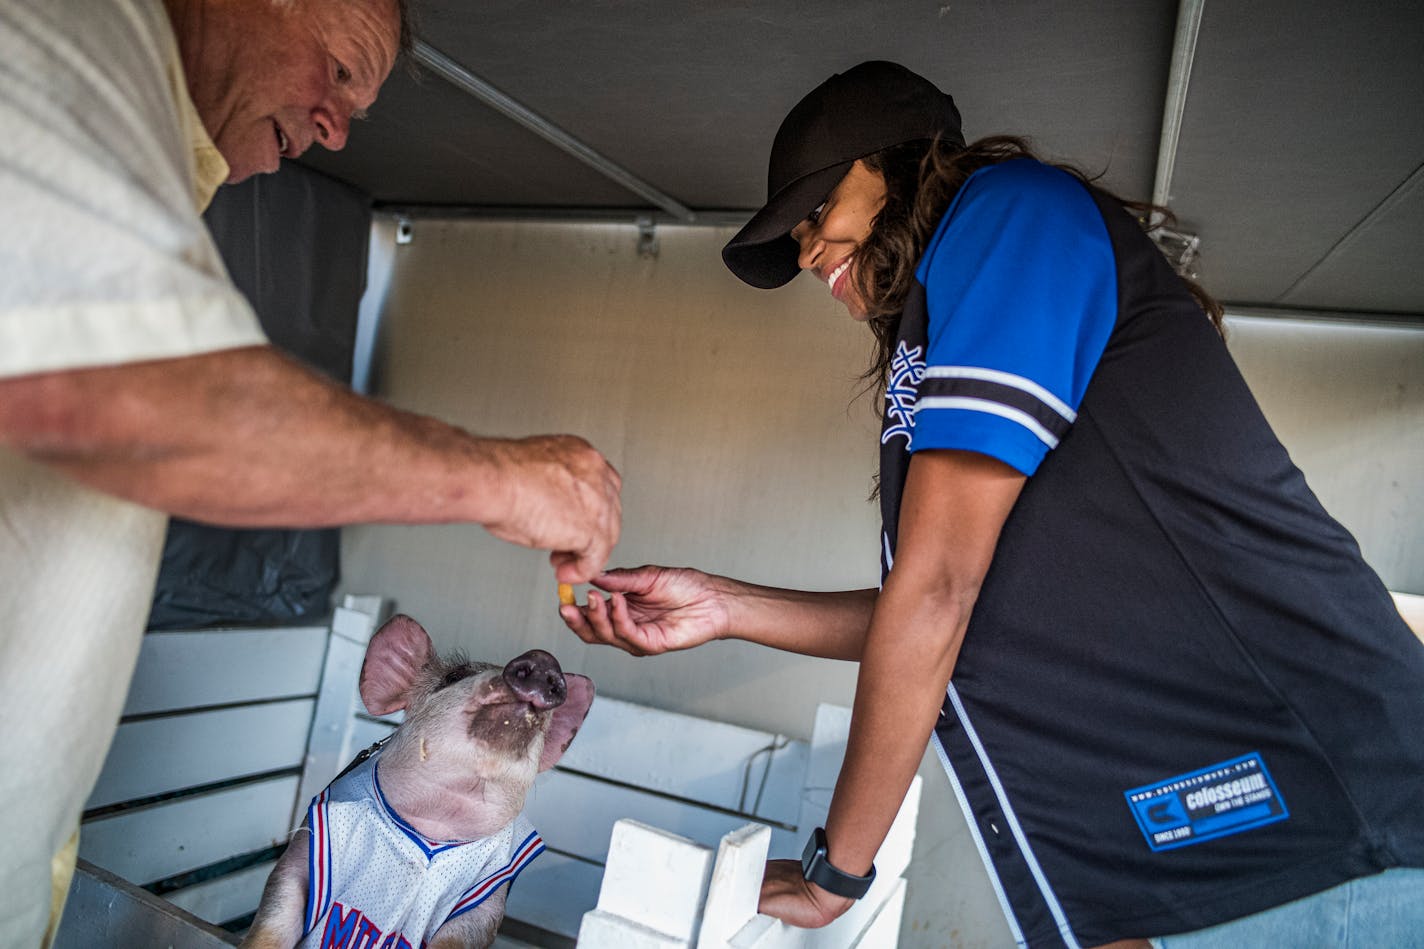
567	719
394	658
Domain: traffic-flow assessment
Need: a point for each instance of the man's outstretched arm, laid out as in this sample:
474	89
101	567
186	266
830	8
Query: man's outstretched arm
248	437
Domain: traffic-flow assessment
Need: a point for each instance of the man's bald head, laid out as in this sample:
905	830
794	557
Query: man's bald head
271	79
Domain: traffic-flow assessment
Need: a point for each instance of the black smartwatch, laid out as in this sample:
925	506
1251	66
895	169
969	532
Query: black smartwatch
818	870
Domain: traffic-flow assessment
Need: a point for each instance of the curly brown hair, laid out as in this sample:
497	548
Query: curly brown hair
921	179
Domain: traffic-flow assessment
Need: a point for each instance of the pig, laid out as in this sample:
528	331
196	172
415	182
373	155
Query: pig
416	844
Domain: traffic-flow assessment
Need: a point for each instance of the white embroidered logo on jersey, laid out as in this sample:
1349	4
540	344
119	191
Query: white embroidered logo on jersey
907	368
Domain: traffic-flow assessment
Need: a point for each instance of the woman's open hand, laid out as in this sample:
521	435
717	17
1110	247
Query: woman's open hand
650	610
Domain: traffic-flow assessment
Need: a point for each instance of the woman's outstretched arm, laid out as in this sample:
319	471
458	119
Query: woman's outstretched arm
954	506
651	609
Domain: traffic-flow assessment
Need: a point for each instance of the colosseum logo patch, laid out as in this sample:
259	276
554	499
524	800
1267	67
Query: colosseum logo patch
1215	801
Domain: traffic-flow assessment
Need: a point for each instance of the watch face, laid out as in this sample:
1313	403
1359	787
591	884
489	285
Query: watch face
815	848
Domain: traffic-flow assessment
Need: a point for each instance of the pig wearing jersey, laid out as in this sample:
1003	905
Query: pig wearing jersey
419	843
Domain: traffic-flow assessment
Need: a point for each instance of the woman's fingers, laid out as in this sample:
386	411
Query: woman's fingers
618	614
590	622
597	612
596	624
575	620
622	630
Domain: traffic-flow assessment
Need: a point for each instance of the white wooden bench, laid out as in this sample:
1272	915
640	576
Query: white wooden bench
664	890
227	735
224	737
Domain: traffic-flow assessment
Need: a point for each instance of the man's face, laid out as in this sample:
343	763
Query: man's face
282	76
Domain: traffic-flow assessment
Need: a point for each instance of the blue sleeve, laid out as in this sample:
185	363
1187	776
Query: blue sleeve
1021	286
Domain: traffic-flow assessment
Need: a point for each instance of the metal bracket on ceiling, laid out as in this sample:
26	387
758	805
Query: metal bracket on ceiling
405	231
647	238
1180	248
461	78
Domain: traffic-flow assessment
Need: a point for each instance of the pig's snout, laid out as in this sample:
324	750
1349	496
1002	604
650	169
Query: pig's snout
536	678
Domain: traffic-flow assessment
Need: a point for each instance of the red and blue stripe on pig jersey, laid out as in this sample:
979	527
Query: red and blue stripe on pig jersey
375	881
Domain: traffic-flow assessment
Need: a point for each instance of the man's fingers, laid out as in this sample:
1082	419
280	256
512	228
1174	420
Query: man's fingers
566	498
571	567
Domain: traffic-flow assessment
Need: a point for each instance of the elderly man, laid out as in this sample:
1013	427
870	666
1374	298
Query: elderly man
135	382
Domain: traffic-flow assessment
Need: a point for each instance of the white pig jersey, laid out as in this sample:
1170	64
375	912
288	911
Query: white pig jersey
376	883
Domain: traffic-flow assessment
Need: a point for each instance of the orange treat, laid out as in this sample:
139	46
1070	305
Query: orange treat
566	594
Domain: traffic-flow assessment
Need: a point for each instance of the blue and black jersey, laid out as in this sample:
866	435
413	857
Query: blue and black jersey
1183	697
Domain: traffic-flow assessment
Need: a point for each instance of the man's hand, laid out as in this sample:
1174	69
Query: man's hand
786	895
562	496
650	610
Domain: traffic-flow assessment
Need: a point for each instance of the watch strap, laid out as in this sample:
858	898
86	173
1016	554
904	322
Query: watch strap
817	868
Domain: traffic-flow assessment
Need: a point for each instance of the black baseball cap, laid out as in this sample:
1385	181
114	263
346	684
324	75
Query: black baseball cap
852	114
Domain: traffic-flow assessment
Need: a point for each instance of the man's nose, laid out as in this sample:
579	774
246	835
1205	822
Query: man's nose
331	128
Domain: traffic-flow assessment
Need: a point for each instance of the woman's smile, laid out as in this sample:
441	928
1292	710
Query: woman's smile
833	280
830	235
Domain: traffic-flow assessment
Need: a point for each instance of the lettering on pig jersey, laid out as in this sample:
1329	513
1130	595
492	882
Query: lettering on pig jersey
1216	801
350	929
907	368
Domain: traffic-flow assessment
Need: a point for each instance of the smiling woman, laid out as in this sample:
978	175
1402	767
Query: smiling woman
1167	689
272	79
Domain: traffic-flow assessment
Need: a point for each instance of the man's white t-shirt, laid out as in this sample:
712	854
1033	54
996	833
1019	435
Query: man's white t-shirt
104	169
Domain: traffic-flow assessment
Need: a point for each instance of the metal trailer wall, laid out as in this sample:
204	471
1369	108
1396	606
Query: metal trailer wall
729	412
1348	401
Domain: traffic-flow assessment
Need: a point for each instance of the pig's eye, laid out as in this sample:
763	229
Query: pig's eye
455	675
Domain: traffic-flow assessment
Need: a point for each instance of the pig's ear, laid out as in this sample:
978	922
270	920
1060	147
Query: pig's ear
568	718
394	658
